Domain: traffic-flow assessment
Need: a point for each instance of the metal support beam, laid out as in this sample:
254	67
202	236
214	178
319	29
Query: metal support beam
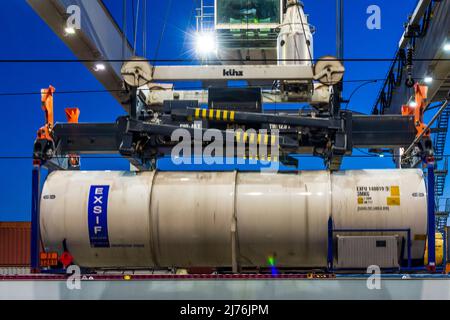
237	72
382	131
330	257
251	117
347	132
413	21
339	48
433	120
431	218
35	220
340	29
320	96
87	138
99	38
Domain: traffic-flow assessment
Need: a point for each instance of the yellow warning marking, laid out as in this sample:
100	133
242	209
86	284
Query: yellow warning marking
218	115
360	200
395	191
238	136
266	139
245	137
211	114
204	113
273	140
259	138
225	115
252	138
393	201
232	115
197	113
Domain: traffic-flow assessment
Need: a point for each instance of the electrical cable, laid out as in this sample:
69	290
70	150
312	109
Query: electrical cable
134	22
364	155
161	36
124	27
144	29
356	89
216	60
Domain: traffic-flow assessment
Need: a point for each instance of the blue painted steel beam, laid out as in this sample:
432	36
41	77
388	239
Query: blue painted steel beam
431	218
35	223
330	245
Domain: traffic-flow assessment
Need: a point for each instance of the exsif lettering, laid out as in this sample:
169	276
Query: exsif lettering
98	216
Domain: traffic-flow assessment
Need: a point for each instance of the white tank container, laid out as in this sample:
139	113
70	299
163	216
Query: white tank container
212	219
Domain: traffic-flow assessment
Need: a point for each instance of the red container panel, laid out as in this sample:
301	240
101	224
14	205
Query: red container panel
15	244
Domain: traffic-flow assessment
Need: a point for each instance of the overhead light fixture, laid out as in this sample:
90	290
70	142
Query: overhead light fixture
447	47
413	104
69	30
428	79
99	67
205	44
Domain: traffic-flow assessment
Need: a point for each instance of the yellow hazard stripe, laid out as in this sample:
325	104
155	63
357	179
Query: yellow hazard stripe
218	114
197	113
225	115
232	116
211	114
204	113
252	138
238	136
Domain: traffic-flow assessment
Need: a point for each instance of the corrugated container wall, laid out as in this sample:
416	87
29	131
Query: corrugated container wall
15	244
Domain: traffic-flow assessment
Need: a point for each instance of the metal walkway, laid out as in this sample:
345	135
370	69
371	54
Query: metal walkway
441	134
442	213
439	142
426	32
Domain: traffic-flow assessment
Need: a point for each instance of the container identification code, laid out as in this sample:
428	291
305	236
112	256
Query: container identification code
98	216
368	197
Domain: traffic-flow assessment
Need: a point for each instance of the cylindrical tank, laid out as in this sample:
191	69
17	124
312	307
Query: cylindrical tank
216	219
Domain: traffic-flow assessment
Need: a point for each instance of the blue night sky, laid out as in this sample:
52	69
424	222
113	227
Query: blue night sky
26	36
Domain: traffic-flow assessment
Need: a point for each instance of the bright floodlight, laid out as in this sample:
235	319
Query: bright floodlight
69	30
447	47
428	79
205	44
413	104
99	67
